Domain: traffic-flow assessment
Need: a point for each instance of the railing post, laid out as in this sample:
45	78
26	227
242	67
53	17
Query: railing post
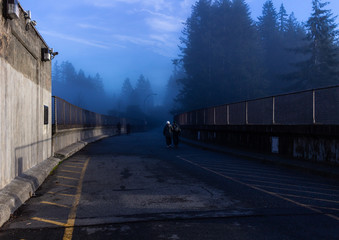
214	116
205	116
314	120
273	110
246	112
64	116
70	114
228	114
55	115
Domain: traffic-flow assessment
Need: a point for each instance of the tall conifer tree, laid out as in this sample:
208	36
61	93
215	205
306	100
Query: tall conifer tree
321	68
283	18
268	26
196	56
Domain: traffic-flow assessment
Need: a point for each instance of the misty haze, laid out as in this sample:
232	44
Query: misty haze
169	119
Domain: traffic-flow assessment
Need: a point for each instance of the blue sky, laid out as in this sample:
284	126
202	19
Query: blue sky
126	38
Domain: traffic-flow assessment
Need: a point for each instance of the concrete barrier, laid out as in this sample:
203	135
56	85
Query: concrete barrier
65	138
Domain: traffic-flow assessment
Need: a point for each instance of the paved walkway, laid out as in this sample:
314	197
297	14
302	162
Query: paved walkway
23	187
133	187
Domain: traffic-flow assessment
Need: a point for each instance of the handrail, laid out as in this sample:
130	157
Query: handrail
316	106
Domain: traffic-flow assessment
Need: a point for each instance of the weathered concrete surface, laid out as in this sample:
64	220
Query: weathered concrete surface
25	140
25	88
75	147
24	186
65	138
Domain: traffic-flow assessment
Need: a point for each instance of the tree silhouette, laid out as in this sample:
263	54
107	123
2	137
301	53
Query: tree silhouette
321	68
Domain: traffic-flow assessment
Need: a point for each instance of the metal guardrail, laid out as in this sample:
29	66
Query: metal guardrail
68	116
318	106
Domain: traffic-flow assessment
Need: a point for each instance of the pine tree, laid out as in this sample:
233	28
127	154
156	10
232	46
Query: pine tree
273	47
99	86
246	63
68	72
293	39
221	55
268	22
320	50
322	35
196	57
126	95
283	20
56	72
143	93
172	90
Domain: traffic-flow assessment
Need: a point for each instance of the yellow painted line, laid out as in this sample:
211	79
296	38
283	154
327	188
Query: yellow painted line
75	164
70	166
260	189
49	221
70	171
55	204
62	194
65	185
72	215
70	178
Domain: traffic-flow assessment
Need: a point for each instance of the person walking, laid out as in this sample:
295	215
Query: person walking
168	133
176	133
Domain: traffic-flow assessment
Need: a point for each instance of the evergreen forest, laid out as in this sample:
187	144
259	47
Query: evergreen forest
88	92
226	56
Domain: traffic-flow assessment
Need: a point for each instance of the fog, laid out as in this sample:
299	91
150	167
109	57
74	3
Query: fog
224	56
135	101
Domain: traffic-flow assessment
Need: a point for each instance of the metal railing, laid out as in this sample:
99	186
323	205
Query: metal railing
66	116
318	106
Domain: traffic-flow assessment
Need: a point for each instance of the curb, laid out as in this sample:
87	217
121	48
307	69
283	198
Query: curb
22	188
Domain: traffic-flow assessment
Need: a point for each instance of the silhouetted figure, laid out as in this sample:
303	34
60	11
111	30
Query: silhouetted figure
168	133
119	128
176	133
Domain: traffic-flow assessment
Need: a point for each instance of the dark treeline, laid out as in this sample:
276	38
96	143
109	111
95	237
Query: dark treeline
135	101
88	92
75	87
226	56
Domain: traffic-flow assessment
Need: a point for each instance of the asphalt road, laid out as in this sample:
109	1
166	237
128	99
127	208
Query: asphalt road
133	187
